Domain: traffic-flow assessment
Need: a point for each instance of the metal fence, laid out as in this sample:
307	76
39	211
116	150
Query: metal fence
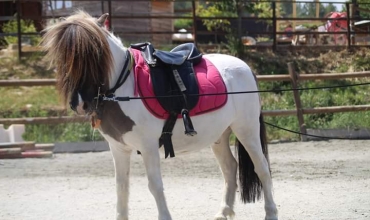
272	23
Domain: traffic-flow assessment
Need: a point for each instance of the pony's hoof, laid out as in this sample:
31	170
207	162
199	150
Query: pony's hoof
226	212
220	217
120	217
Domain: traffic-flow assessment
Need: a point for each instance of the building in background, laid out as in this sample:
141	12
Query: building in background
127	28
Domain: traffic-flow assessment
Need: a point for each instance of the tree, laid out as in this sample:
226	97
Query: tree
330	8
361	4
237	7
214	24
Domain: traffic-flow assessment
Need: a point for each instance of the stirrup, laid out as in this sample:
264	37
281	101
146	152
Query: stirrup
189	129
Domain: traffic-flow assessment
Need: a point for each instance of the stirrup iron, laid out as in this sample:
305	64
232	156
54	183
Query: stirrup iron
189	128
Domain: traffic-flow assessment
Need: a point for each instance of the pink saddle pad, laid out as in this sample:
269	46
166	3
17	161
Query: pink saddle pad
209	81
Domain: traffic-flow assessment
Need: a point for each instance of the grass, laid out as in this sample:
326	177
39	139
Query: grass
14	99
43	101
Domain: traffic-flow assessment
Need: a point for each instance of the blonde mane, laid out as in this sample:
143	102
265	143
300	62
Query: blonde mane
77	46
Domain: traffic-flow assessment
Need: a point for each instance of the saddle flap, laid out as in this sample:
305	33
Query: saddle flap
173	58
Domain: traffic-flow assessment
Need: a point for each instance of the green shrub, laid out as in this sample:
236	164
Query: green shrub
27	26
69	132
183	23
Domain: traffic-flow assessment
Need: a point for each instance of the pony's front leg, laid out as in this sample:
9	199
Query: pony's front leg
121	155
152	164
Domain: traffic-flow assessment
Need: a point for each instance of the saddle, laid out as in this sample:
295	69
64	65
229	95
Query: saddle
175	85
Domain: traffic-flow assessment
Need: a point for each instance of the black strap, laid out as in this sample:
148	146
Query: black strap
165	138
123	76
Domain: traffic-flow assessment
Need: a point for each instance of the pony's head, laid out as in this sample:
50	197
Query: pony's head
78	48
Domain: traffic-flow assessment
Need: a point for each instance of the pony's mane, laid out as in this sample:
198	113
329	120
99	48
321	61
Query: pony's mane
77	46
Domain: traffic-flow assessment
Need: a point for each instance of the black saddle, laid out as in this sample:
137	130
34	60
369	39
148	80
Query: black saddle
173	80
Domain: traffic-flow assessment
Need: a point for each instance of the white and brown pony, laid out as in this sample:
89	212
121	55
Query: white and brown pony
89	60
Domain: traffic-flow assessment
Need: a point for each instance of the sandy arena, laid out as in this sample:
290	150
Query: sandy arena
312	181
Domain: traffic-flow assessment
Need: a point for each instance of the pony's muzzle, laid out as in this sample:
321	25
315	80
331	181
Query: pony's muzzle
80	108
78	105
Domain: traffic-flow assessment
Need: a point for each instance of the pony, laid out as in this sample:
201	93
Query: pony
88	60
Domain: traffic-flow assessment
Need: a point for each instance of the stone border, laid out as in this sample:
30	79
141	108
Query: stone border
81	147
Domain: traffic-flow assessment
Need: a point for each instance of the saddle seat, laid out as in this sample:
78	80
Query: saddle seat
180	54
173	80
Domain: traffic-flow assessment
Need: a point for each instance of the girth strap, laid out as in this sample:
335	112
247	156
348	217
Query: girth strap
165	138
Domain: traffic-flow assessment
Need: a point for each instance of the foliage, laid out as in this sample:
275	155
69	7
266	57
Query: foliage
234	6
183	23
32	66
234	45
213	11
27	26
263	10
182	5
185	10
318	98
44	133
364	4
70	132
309	9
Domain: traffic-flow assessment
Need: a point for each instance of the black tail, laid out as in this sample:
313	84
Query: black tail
250	184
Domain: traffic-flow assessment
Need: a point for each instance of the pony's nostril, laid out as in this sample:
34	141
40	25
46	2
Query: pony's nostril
73	107
85	106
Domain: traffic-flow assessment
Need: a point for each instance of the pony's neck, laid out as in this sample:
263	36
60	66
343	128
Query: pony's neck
119	58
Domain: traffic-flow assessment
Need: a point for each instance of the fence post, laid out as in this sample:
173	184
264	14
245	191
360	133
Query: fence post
110	15
297	99
19	29
348	26
274	26
194	22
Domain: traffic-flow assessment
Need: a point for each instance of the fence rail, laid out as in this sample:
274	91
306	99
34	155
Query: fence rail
293	77
260	78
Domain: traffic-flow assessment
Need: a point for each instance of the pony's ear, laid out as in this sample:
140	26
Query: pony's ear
102	19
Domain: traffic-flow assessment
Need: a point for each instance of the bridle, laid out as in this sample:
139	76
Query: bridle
109	95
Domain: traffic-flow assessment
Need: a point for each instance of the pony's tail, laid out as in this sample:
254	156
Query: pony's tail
250	185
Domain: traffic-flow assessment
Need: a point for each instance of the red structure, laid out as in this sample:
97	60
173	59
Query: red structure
337	25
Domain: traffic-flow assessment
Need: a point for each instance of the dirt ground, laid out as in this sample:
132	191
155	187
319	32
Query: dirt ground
312	180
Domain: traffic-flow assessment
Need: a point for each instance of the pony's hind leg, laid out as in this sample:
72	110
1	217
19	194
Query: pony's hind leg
228	166
252	142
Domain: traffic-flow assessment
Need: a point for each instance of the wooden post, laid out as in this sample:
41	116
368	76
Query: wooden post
294	23
353	16
348	26
274	27
297	100
102	7
19	30
194	22
110	14
278	22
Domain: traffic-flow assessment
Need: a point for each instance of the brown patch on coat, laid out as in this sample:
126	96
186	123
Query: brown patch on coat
114	122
